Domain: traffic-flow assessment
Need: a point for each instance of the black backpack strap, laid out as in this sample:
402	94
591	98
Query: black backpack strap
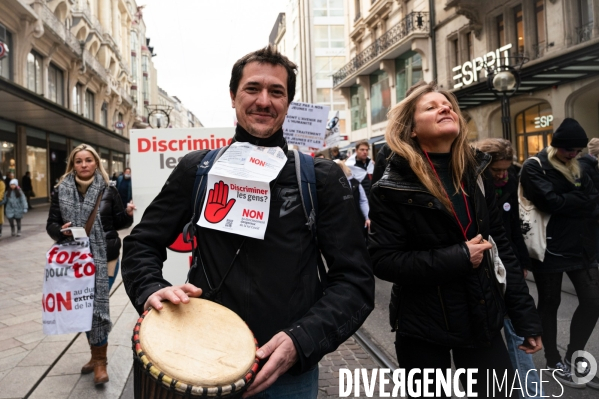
306	181
198	193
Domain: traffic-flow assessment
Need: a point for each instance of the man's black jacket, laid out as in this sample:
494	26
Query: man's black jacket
274	284
416	243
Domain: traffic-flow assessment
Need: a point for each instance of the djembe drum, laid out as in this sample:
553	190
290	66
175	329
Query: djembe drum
194	350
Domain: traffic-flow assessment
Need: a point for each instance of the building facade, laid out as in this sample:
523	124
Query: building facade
178	115
76	71
390	49
552	45
312	33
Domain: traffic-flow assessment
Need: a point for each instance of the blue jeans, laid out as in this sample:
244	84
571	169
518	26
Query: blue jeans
303	386
522	363
110	283
116	273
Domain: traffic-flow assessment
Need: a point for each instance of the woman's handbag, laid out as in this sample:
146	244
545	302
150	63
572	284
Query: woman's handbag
69	283
534	224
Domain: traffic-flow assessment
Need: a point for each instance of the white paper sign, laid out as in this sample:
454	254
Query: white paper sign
238	193
305	124
332	136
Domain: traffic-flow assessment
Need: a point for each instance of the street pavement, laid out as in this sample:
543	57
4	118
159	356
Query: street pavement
36	366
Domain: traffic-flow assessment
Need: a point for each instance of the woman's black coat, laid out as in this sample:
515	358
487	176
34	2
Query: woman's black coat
508	206
574	210
588	164
112	215
416	243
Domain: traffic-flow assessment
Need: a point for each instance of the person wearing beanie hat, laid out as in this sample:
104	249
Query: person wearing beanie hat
569	135
15	207
554	183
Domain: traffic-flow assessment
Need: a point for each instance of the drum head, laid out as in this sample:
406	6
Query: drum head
199	343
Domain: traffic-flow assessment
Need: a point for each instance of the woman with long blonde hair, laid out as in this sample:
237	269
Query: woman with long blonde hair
554	183
82	191
433	216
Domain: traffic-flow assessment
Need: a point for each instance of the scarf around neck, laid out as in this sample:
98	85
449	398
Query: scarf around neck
77	212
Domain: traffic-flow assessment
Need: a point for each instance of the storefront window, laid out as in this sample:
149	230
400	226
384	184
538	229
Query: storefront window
358	108
7	158
408	73
380	96
105	159
118	163
534	128
37	161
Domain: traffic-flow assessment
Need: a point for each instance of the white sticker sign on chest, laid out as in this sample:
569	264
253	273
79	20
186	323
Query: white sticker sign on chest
238	193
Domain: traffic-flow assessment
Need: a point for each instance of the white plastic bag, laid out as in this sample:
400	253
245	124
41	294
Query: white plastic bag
69	282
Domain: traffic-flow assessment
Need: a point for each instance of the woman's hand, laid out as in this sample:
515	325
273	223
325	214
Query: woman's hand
66	226
477	247
367	224
130	208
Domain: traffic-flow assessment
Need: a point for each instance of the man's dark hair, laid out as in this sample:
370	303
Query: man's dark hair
266	55
361	143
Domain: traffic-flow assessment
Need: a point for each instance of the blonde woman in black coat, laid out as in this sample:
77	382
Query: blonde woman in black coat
558	187
432	214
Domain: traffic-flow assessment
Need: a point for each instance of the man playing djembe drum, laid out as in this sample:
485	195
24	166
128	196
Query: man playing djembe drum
272	283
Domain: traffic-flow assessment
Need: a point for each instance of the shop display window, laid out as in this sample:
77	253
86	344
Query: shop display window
534	128
7	158
37	161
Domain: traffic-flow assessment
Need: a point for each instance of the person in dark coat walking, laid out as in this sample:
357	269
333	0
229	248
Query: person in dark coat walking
27	188
555	184
588	162
433	216
123	185
506	191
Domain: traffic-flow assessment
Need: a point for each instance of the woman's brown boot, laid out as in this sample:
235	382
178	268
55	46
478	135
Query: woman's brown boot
99	357
89	366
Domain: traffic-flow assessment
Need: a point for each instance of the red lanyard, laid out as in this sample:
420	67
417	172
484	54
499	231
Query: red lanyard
464	230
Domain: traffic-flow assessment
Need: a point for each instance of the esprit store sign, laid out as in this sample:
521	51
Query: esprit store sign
543	121
468	72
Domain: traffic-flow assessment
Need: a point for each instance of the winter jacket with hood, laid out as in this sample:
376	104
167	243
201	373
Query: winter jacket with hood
417	244
574	210
273	284
15	206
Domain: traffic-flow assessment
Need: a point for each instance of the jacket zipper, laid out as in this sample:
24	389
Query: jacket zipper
443	307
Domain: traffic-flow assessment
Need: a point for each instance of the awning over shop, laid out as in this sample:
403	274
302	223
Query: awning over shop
376	139
27	108
574	65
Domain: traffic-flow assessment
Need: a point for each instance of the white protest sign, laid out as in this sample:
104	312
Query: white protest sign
68	294
332	136
238	194
305	124
154	155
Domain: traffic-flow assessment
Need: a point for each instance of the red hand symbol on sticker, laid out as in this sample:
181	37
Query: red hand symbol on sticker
218	207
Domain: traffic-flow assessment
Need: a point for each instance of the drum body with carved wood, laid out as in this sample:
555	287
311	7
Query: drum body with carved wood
195	350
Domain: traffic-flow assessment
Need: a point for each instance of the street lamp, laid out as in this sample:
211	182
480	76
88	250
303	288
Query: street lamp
505	82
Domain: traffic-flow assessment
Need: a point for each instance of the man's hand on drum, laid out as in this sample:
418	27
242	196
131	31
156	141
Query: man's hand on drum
175	294
283	355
